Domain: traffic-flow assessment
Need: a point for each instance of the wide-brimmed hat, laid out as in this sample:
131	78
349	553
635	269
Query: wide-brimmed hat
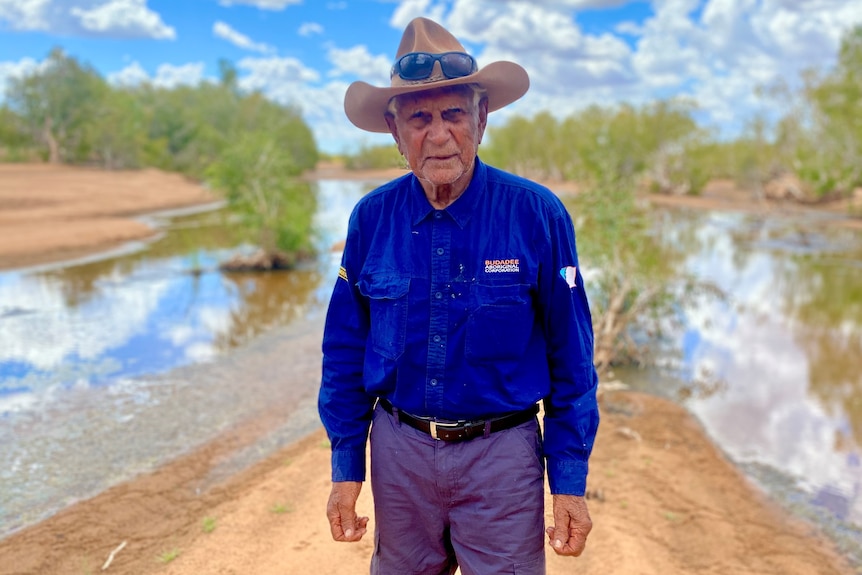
366	105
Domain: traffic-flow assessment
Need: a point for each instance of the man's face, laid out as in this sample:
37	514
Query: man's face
439	133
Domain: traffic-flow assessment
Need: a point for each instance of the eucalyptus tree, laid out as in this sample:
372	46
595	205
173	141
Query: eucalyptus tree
57	102
837	104
15	142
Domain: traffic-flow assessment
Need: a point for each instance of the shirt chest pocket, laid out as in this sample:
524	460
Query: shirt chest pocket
387	303
500	325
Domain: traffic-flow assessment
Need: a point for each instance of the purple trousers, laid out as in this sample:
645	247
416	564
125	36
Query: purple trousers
477	504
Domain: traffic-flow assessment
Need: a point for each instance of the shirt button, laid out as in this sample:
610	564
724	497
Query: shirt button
438	215
436	338
433	382
439	251
438	295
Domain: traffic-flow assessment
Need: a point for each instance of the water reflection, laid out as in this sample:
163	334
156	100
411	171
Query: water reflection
265	300
100	362
109	367
786	347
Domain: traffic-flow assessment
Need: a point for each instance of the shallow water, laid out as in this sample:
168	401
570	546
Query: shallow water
110	367
774	369
113	366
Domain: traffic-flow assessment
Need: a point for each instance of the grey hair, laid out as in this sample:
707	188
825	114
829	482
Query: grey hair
478	93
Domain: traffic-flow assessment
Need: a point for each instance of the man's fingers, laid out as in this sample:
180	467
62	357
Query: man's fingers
560	528
572	545
572	525
344	524
348	528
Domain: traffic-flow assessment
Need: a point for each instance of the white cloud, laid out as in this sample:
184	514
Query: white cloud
112	18
289	82
310	28
274	5
224	31
10	70
124	18
166	76
358	61
717	51
131	75
274	75
24	14
628	28
170	76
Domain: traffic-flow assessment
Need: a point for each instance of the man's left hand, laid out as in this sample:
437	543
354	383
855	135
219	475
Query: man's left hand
572	524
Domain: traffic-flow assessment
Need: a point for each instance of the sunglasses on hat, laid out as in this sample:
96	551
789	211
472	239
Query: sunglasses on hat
418	65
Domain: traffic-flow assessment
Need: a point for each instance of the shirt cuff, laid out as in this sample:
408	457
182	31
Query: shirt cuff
567	477
348	465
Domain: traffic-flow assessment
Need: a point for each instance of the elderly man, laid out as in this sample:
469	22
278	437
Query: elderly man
459	306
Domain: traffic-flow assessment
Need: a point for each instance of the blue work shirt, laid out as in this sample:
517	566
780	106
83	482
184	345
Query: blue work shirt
464	313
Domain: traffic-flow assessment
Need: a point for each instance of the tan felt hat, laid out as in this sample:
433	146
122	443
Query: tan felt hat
366	105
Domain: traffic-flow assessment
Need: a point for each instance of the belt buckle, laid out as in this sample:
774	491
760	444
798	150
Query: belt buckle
435	424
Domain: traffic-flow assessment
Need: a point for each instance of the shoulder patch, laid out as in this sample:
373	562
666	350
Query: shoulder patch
570	273
342	273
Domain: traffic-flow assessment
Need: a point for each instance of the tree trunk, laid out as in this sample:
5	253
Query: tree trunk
53	146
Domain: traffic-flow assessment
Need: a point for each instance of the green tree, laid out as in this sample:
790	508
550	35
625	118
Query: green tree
639	277
837	102
14	140
375	157
658	144
57	102
118	132
260	182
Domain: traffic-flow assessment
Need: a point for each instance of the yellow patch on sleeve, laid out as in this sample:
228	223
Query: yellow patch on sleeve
342	273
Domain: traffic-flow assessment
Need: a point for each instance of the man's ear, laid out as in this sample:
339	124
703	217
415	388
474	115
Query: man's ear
483	117
393	129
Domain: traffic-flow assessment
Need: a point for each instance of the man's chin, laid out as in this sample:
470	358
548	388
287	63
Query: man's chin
442	175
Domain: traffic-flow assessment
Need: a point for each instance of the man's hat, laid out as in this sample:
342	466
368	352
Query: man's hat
366	105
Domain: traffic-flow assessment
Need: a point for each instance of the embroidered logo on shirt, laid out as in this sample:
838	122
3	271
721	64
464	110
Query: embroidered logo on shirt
342	273
502	266
570	273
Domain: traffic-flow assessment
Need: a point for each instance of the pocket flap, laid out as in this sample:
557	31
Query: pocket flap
384	287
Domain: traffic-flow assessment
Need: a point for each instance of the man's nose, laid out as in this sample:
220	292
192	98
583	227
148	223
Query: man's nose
438	129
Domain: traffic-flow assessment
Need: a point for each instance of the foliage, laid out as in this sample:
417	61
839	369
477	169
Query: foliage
254	148
633	269
830	159
375	157
117	134
15	143
261	186
658	143
57	103
818	139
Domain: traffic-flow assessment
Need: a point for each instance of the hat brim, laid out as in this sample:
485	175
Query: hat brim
365	105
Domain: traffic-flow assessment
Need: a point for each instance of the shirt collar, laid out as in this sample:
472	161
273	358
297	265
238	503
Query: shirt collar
461	209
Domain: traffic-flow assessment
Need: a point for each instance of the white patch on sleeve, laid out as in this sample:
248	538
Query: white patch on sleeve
570	273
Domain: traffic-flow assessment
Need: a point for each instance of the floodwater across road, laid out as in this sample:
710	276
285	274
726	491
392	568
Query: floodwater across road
111	367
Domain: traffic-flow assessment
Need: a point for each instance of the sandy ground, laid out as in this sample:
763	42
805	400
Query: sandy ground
51	213
663	498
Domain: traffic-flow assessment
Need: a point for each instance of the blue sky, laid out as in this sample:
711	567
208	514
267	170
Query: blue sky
577	52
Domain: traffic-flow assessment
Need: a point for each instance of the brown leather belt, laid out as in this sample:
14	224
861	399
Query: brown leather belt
460	430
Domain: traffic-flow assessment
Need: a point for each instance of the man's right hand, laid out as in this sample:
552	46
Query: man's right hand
344	524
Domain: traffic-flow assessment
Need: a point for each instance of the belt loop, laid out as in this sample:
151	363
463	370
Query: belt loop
487	428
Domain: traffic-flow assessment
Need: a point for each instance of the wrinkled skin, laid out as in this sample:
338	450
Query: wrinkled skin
438	132
344	523
572	524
